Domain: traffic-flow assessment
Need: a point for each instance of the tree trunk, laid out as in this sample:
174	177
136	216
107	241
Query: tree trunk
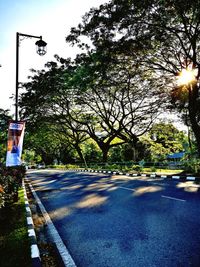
104	148
79	151
193	114
196	131
105	155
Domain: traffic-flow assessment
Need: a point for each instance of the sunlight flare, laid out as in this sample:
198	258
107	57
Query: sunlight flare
187	76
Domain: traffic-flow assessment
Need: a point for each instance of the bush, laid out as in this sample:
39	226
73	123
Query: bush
112	167
10	181
2	196
64	167
153	168
192	166
137	168
72	166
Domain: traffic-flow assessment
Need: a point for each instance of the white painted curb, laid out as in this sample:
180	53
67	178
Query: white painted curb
63	251
35	254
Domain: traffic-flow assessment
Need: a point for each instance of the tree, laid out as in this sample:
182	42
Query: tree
42	107
161	36
163	139
50	143
114	99
92	99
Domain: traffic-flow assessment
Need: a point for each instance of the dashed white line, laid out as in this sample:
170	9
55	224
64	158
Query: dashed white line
168	197
174	198
130	189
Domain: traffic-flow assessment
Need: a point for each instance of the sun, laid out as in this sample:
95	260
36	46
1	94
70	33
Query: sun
186	76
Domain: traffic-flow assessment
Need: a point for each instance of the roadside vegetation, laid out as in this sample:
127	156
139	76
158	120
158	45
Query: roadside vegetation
14	241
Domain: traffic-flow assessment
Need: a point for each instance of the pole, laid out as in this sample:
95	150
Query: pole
17	74
17	68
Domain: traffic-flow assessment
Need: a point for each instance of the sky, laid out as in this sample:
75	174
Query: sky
52	19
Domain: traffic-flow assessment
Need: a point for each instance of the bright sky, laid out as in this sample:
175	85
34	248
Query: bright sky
50	18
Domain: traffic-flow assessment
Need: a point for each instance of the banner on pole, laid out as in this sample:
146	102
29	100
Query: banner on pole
15	143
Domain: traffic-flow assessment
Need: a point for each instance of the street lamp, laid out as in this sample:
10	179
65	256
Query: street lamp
40	49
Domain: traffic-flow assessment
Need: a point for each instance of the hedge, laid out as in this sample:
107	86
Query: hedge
10	181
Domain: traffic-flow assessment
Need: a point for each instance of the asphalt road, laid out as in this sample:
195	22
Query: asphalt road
119	221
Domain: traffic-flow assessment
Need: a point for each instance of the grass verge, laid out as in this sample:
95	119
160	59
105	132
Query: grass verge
14	241
162	171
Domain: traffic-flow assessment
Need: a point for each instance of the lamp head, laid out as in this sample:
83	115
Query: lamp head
41	47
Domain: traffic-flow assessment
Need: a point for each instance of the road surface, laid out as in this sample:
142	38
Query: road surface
119	221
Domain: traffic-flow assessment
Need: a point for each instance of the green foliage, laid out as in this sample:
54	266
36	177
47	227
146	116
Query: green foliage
14	240
138	168
91	151
163	37
48	143
115	154
163	139
10	182
192	166
153	169
64	167
29	157
112	167
2	196
118	87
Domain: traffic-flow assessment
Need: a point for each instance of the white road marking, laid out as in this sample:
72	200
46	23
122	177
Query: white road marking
66	257
130	189
174	198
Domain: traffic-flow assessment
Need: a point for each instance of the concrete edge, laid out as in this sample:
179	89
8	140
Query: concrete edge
64	255
35	253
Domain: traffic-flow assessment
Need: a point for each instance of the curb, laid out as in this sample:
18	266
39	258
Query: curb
63	253
153	175
35	254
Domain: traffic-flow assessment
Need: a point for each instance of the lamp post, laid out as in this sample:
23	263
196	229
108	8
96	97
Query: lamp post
40	49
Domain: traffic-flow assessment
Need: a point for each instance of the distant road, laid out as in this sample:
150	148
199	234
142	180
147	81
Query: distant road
119	221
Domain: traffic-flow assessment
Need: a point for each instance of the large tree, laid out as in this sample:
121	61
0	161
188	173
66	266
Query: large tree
161	36
96	95
114	100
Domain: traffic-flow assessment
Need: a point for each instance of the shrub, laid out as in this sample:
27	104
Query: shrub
2	197
10	181
137	168
72	166
153	169
64	167
112	167
192	166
